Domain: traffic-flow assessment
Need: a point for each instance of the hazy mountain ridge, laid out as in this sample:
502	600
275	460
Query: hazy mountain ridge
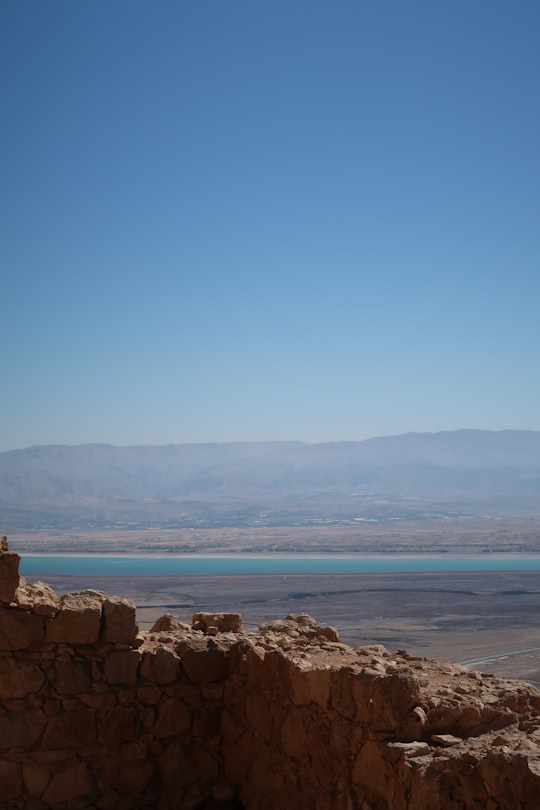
465	466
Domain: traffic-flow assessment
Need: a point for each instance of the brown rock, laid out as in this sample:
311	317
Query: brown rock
205	664
222	622
121	667
35	777
311	685
20	629
79	619
67	785
19	730
71	678
127	776
160	665
445	740
148	695
10	781
169	624
118	725
299	624
119	625
178	764
19	678
72	729
9	575
174	718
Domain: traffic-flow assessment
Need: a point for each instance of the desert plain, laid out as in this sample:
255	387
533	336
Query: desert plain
453	617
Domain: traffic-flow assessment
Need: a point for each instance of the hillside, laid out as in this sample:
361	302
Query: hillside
411	476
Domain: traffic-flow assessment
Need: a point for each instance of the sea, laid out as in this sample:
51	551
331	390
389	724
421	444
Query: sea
231	565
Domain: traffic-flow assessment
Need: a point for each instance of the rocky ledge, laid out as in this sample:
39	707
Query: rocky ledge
95	715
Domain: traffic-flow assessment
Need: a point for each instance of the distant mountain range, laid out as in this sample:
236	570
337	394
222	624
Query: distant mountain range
411	476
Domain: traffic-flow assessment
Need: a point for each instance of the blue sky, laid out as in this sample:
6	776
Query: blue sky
238	220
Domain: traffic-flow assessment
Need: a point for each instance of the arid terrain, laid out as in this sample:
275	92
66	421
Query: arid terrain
472	536
452	617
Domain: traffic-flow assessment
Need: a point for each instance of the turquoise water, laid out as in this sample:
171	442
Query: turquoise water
105	565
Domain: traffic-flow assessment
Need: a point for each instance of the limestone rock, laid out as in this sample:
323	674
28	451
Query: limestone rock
37	597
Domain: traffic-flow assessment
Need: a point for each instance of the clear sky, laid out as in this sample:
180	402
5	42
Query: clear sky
248	220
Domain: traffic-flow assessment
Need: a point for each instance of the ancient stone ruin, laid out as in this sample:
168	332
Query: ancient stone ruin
94	714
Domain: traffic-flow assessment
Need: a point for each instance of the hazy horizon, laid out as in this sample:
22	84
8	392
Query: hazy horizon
276	441
268	222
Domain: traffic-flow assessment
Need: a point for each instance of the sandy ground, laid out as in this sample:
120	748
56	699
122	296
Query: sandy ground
478	536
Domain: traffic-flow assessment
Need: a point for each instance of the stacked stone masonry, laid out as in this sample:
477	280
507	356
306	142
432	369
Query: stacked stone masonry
95	715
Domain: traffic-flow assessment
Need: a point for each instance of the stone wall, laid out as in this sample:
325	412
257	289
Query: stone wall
95	715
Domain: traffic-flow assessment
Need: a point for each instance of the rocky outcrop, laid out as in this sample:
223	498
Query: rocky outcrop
95	715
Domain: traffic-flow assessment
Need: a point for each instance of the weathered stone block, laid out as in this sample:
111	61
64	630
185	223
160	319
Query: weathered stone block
118	725
178	765
204	664
19	730
160	666
9	575
71	729
119	625
173	718
67	786
20	629
127	776
206	723
35	777
121	667
79	619
19	678
10	781
72	678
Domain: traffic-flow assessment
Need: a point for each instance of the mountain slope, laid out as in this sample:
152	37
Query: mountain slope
453	468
